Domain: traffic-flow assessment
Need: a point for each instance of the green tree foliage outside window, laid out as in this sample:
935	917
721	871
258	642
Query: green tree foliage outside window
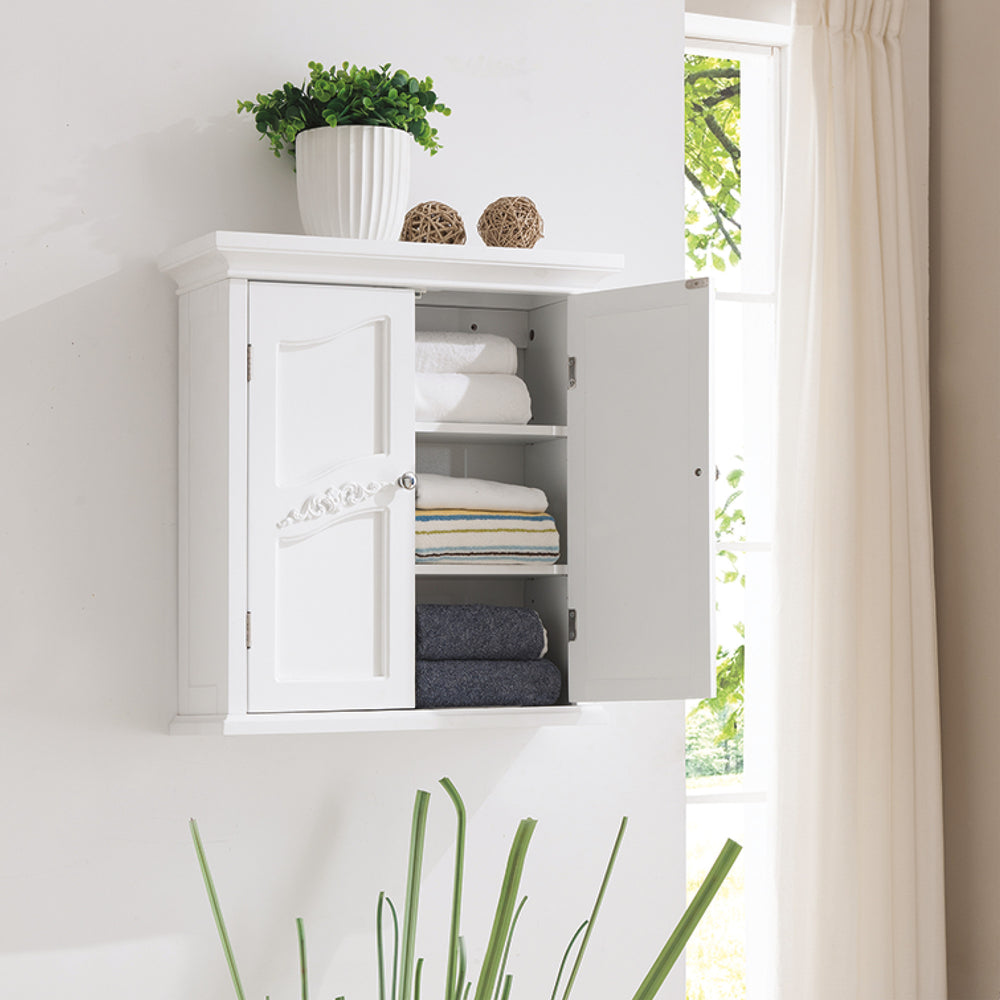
714	743
712	160
712	236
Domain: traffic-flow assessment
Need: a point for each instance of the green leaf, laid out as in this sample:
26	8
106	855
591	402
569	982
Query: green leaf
597	906
452	983
505	909
506	950
213	900
300	928
671	951
415	865
565	958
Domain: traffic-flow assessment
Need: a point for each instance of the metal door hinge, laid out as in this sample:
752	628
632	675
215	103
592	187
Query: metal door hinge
696	283
248	630
249	361
572	625
572	373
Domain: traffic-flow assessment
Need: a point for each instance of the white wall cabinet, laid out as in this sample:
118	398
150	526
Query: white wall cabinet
298	445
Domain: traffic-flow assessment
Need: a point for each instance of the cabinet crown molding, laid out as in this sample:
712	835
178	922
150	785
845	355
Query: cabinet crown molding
421	266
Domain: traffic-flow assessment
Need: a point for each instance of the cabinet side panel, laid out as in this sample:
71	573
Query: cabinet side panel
546	363
212	492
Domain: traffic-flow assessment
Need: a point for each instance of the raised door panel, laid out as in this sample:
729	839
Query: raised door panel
330	554
640	542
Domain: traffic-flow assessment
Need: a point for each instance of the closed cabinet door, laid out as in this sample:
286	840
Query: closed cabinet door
330	504
640	505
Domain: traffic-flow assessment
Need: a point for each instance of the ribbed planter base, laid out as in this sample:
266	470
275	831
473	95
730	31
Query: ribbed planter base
353	180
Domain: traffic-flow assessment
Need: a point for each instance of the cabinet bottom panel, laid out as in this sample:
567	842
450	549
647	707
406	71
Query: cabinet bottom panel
400	720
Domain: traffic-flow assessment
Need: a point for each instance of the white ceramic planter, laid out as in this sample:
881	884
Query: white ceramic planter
353	180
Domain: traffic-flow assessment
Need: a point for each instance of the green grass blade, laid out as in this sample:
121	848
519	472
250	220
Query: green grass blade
506	987
505	909
419	826
301	929
452	982
213	900
468	987
565	958
416	981
597	907
462	962
379	947
506	950
685	926
395	947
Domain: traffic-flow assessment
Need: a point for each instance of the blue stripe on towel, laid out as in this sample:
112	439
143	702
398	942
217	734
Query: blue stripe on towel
485	536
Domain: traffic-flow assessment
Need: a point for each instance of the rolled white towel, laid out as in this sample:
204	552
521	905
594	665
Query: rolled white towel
472	399
483	353
436	492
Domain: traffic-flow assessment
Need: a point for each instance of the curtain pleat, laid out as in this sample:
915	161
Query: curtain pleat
858	804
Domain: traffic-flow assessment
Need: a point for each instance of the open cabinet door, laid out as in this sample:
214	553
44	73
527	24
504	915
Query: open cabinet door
640	484
330	546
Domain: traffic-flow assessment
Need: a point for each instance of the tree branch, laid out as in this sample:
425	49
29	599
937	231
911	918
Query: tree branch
727	144
725	73
720	219
726	94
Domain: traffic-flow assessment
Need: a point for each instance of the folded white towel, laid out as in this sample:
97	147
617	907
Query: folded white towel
436	492
472	399
484	353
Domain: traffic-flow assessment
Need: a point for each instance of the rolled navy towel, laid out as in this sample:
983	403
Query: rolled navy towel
479	632
486	683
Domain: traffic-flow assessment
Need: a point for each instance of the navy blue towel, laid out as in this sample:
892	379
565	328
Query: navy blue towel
486	683
478	632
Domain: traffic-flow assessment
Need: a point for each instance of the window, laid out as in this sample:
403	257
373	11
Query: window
733	78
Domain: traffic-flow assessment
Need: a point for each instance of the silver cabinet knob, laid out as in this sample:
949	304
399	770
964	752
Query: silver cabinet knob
407	480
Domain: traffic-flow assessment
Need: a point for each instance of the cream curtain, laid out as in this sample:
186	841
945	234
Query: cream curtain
860	857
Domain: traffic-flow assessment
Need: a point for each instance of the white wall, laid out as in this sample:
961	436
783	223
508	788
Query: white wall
121	140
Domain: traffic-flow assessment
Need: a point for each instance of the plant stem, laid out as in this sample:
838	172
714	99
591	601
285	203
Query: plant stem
452	985
689	920
213	900
505	909
506	950
562	964
300	927
395	947
379	947
462	961
413	892
597	907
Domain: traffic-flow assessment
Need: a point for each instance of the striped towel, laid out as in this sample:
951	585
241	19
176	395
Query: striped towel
485	536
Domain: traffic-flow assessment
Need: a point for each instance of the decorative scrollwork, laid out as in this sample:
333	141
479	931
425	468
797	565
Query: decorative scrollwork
332	501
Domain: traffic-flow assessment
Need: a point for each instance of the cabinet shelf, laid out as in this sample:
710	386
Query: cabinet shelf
466	569
488	433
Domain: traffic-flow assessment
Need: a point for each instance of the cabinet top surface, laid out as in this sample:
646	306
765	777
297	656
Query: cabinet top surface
420	266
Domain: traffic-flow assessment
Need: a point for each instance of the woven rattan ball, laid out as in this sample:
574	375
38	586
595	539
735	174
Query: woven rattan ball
433	222
510	222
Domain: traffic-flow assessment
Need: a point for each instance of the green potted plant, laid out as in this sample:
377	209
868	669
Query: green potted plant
493	981
350	131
